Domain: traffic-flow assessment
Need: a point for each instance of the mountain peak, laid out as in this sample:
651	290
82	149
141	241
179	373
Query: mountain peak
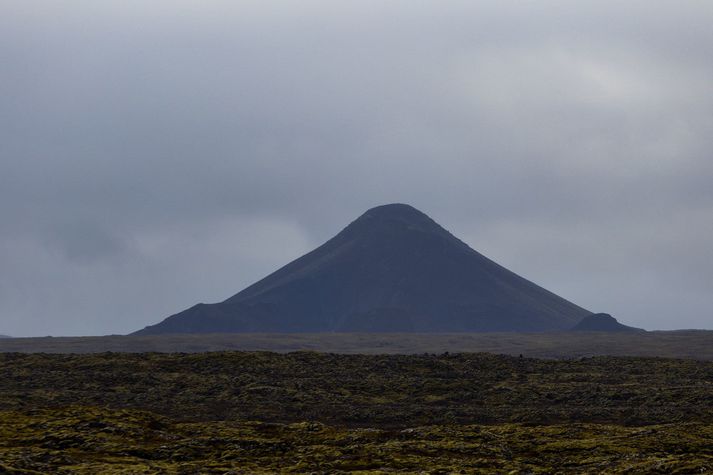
396	213
393	218
394	210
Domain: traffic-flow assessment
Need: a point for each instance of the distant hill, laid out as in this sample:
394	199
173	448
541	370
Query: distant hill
603	322
391	270
5	336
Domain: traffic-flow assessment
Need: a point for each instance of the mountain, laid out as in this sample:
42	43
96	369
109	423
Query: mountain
603	322
391	270
5	336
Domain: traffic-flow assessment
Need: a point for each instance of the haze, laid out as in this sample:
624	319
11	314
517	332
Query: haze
156	155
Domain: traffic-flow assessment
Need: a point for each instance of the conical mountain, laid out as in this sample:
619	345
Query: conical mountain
393	269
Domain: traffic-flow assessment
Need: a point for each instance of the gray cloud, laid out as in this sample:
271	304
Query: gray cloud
154	156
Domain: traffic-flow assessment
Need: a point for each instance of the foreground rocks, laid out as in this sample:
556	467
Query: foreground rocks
393	391
239	412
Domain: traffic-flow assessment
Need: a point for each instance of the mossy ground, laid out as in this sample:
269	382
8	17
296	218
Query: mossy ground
239	412
93	440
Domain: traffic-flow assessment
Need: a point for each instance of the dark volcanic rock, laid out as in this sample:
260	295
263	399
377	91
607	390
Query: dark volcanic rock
602	322
393	269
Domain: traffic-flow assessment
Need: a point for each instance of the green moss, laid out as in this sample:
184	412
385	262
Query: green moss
94	440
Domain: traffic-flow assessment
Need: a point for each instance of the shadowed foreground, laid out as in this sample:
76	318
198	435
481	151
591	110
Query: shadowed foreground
306	412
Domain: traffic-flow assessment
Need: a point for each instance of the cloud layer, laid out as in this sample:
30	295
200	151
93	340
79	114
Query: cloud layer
154	156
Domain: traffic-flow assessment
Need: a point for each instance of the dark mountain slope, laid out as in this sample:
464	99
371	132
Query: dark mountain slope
603	322
393	269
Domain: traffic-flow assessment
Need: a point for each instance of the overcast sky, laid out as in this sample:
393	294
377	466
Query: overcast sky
158	154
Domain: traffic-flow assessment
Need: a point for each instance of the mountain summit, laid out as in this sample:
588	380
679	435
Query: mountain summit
393	269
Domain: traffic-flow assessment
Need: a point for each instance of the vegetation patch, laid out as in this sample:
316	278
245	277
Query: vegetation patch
93	440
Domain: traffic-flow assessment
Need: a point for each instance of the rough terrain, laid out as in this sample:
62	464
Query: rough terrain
307	412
